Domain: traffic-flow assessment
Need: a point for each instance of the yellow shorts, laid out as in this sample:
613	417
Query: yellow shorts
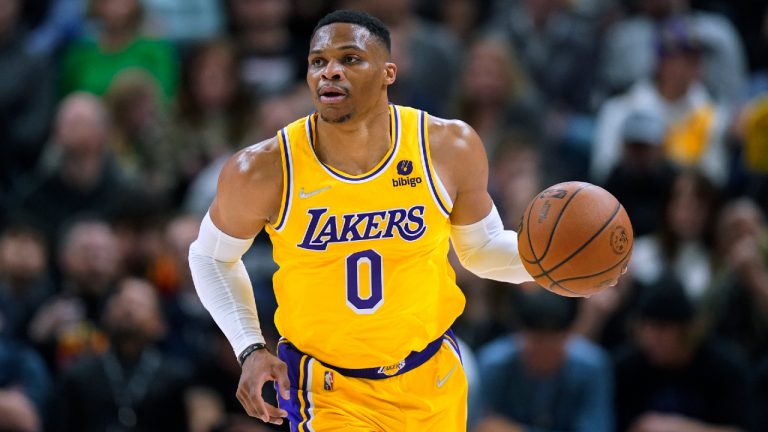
430	397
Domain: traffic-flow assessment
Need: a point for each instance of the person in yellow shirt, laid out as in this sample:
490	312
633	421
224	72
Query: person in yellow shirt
361	201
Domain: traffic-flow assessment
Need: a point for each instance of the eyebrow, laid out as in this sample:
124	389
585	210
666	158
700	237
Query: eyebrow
341	48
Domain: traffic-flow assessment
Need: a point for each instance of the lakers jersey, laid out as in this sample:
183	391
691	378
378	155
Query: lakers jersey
363	274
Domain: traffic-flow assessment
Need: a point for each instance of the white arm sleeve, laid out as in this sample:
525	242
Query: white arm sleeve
223	284
489	251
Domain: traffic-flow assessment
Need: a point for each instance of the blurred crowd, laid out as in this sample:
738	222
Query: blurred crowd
117	115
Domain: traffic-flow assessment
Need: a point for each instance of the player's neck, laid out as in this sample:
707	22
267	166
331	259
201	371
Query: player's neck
356	146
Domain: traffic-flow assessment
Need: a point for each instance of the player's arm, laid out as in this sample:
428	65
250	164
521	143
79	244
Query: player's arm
248	196
482	244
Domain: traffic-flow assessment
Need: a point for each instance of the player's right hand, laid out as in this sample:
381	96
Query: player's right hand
258	368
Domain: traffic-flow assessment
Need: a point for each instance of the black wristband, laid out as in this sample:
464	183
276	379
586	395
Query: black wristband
250	349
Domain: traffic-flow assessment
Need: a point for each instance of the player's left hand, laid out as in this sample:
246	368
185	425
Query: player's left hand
260	367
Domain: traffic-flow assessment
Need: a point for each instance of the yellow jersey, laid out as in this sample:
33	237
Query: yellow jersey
363	274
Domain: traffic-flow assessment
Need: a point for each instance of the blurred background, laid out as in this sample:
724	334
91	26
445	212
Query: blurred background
117	115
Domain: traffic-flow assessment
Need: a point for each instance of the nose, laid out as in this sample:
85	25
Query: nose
333	71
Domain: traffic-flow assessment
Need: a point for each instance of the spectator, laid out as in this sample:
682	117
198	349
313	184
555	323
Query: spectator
24	279
132	386
642	175
462	17
515	176
185	21
419	49
91	64
140	138
25	388
737	302
751	132
669	379
495	96
543	378
67	325
272	59
26	100
214	113
191	330
557	50
77	174
629	48
681	246
605	317
695	124
138	222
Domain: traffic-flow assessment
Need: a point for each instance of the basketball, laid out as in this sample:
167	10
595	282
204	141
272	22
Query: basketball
575	239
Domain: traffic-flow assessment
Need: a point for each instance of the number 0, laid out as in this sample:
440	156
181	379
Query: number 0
371	303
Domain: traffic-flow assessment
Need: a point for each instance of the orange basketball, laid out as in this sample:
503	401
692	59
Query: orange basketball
575	239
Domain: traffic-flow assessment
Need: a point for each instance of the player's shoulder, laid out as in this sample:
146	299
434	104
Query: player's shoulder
259	163
451	133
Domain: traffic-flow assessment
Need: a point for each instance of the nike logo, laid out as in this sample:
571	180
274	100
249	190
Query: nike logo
304	195
441	382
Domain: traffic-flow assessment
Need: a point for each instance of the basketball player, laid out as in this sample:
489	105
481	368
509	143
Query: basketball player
359	200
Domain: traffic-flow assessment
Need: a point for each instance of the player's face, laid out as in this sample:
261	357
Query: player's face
348	72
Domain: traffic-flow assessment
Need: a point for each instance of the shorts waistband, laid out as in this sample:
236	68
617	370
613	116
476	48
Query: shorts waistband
412	361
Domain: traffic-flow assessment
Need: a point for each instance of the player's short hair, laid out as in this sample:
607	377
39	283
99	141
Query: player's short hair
370	22
541	310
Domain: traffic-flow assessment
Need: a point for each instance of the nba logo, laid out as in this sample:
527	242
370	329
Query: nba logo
328	381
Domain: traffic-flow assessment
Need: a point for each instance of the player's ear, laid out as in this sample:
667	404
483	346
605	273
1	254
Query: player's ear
390	73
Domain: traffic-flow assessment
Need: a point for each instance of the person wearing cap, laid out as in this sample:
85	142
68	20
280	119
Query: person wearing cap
542	378
628	51
672	378
643	175
695	124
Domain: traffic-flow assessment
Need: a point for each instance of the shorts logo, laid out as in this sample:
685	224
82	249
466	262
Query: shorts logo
404	167
392	369
441	381
328	381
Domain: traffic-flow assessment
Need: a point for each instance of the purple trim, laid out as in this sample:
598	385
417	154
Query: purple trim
455	343
292	359
382	167
414	360
279	226
304	395
430	180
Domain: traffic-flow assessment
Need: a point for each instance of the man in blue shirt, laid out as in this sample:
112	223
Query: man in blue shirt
543	378
25	386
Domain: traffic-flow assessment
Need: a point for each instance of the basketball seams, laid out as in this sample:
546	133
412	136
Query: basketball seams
589	277
557	220
537	261
554	227
587	243
618	263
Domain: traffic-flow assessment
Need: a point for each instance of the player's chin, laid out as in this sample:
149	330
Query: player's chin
334	115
